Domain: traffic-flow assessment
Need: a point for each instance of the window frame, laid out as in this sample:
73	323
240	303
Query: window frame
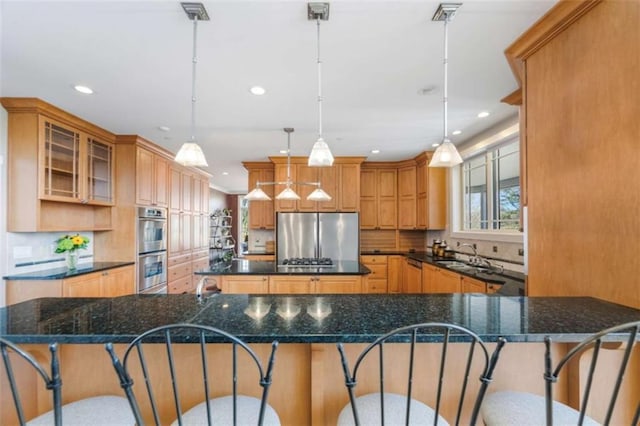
457	195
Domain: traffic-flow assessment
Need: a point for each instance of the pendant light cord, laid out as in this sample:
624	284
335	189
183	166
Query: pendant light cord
319	83
288	159
193	79
445	99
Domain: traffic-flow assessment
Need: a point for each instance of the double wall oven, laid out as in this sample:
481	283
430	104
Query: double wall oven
152	250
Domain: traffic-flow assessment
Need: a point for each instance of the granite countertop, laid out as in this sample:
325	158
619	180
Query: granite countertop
62	273
252	267
347	318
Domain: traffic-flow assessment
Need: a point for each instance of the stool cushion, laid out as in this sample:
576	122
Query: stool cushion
248	411
104	410
520	408
395	408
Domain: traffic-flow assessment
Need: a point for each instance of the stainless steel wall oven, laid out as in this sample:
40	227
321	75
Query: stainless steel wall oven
152	250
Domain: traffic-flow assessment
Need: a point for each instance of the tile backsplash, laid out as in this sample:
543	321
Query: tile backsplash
35	251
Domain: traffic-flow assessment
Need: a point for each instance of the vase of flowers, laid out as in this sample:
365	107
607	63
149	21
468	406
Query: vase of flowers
70	244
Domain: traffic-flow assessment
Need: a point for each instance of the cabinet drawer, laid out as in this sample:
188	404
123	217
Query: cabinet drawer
201	264
372	260
179	286
200	253
375	286
179	271
176	260
377	271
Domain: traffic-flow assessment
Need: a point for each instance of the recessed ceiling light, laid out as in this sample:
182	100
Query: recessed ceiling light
375	151
483	114
283	151
456	132
164	128
435	144
83	89
257	90
225	173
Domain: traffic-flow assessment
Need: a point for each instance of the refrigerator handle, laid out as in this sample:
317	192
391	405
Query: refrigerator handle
317	251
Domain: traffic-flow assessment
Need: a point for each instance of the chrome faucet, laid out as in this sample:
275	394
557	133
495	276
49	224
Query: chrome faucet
201	286
473	247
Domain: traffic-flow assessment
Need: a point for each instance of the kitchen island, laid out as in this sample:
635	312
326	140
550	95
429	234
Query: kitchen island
308	384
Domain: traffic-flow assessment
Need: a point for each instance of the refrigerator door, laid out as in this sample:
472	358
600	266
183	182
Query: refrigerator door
296	235
339	236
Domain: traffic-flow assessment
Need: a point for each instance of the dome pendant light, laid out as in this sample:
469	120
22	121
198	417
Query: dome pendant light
446	154
320	153
190	153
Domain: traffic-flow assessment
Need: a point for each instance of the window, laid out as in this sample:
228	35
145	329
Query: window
491	189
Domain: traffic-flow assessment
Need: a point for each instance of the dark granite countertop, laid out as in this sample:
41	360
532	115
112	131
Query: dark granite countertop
62	273
349	318
252	267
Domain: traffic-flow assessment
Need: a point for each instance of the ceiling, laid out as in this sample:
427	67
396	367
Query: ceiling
382	72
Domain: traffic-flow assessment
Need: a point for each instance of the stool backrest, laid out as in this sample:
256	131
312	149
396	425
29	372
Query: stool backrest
52	380
445	334
629	334
140	354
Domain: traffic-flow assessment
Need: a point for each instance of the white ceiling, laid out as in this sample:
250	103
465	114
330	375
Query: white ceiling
377	56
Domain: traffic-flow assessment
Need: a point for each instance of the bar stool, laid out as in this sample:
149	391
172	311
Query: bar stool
522	408
162	393
382	406
99	410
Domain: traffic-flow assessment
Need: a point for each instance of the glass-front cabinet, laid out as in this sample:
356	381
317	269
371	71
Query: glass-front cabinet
75	166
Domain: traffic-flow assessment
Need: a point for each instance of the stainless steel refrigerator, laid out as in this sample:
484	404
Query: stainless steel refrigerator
315	235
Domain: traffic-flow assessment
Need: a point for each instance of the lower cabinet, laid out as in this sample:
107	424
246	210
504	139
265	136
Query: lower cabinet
394	273
377	280
472	285
289	284
411	278
181	276
439	280
241	284
108	283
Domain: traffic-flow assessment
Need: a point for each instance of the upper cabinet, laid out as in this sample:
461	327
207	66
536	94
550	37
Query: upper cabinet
431	194
60	170
152	178
341	181
407	196
378	196
261	212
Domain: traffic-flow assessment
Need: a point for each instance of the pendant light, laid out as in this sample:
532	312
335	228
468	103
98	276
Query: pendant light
190	153
320	153
258	194
446	154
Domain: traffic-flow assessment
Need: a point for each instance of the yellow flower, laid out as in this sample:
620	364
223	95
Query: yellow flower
77	240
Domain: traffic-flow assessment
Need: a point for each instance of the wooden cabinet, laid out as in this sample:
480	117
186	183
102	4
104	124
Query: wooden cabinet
348	187
244	284
431	194
280	175
376	281
261	213
472	285
294	284
179	274
152	179
60	170
394	273
411	277
335	284
493	288
378	197
407	197
445	281
260	257
109	283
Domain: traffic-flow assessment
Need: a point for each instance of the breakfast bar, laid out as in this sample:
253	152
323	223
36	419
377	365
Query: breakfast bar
308	384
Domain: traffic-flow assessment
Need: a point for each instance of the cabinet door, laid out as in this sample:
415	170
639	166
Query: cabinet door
429	276
305	173
144	177
446	282
407	197
437	197
387	199
196	194
175	188
301	284
100	168
338	285
348	188
187	192
161	181
472	285
411	279
243	284
60	162
88	285
394	274
328	177
175	227
118	282
261	212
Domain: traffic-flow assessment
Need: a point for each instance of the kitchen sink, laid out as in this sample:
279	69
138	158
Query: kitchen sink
454	264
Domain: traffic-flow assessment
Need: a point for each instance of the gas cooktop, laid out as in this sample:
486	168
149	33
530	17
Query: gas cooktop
307	262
